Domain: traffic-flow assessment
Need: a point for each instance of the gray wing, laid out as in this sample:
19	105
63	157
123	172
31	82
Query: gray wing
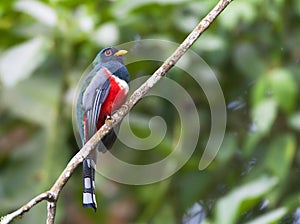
92	99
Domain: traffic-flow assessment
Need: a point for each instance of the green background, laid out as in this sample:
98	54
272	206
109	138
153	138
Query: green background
253	47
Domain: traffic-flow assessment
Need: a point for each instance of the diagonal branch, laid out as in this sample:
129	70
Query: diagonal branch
52	195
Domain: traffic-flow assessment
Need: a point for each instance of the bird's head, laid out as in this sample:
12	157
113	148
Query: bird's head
109	54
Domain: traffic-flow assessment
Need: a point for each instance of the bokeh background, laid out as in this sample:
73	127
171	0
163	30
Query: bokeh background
253	47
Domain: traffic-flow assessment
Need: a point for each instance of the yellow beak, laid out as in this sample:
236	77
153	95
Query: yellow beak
120	53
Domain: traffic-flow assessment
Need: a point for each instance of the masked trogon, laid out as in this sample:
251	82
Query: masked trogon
103	91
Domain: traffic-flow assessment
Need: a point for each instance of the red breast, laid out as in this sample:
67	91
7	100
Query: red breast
116	97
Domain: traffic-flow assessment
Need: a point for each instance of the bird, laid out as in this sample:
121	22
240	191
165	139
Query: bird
103	91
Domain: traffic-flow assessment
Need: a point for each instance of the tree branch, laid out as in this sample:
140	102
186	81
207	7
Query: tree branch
52	195
25	208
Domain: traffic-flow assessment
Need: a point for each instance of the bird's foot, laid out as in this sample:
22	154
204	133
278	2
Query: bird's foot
108	119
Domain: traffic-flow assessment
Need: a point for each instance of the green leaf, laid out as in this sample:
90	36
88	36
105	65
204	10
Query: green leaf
18	63
297	7
106	35
279	85
271	217
247	60
122	8
284	89
294	121
210	42
263	116
239	10
229	207
23	100
281	151
227	149
164	215
260	90
38	10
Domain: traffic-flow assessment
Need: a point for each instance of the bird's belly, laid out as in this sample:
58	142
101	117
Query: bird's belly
116	97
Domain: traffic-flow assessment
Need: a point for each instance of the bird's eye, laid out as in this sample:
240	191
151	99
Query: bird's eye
108	52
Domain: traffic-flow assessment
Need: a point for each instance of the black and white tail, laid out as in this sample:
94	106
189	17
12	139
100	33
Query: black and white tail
89	198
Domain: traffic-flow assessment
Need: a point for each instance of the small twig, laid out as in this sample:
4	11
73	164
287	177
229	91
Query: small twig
51	211
25	208
52	195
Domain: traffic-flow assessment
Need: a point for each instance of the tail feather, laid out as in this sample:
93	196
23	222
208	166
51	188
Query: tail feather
89	198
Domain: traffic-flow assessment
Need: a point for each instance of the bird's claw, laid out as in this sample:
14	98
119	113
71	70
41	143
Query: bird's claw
108	119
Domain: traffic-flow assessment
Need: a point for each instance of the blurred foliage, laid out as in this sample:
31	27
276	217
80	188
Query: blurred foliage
254	47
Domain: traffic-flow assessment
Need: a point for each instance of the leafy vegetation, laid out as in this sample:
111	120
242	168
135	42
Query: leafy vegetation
253	47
